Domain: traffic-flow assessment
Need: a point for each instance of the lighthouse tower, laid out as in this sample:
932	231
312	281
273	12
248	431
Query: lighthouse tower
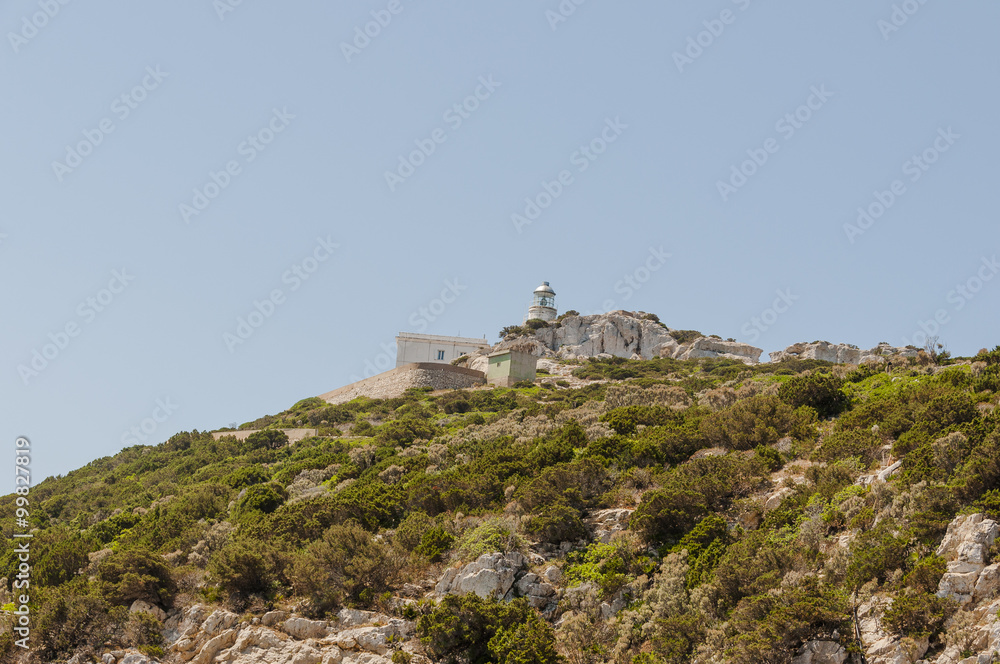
543	304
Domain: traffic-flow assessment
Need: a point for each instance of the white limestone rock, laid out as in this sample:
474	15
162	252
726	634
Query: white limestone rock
708	347
603	524
966	548
490	576
820	652
841	353
139	606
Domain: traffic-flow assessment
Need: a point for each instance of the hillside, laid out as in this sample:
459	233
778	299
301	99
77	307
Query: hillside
619	510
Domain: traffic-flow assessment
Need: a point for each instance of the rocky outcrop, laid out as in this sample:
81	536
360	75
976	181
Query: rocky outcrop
820	652
502	576
616	334
709	347
356	637
619	333
491	576
603	524
880	646
841	353
966	547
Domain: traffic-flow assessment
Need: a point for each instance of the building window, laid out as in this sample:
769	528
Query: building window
440	354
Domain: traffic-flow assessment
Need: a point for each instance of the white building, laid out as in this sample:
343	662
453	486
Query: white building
413	347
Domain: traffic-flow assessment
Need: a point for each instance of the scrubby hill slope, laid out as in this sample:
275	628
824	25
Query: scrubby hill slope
647	511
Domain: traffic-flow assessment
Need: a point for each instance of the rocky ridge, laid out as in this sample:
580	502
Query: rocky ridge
631	335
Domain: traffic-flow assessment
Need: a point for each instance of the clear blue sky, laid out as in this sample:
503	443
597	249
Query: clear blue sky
615	120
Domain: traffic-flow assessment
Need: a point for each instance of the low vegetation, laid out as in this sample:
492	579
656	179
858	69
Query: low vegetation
391	491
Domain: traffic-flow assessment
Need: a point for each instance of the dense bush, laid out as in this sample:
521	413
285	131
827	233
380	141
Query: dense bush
480	631
820	391
245	567
919	614
268	439
126	576
758	420
345	564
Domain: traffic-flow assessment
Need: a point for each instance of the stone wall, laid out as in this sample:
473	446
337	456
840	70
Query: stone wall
395	382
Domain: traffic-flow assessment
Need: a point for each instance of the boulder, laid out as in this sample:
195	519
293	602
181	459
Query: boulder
301	628
841	353
490	576
966	548
708	347
617	333
139	606
820	652
988	582
602	524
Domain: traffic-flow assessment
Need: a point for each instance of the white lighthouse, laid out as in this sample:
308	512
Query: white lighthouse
543	304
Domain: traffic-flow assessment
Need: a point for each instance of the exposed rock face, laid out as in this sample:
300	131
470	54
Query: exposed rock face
605	523
880	646
356	637
820	652
617	333
966	547
501	576
490	576
841	353
715	348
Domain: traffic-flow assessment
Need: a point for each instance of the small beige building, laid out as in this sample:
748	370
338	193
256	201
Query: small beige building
507	367
413	347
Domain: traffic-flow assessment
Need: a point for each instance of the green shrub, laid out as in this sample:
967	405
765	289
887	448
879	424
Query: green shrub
247	566
346	563
919	614
493	534
247	476
625	420
861	443
435	543
820	391
556	523
758	420
480	631
771	627
664	515
685	336
926	574
262	498
126	576
875	554
268	439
